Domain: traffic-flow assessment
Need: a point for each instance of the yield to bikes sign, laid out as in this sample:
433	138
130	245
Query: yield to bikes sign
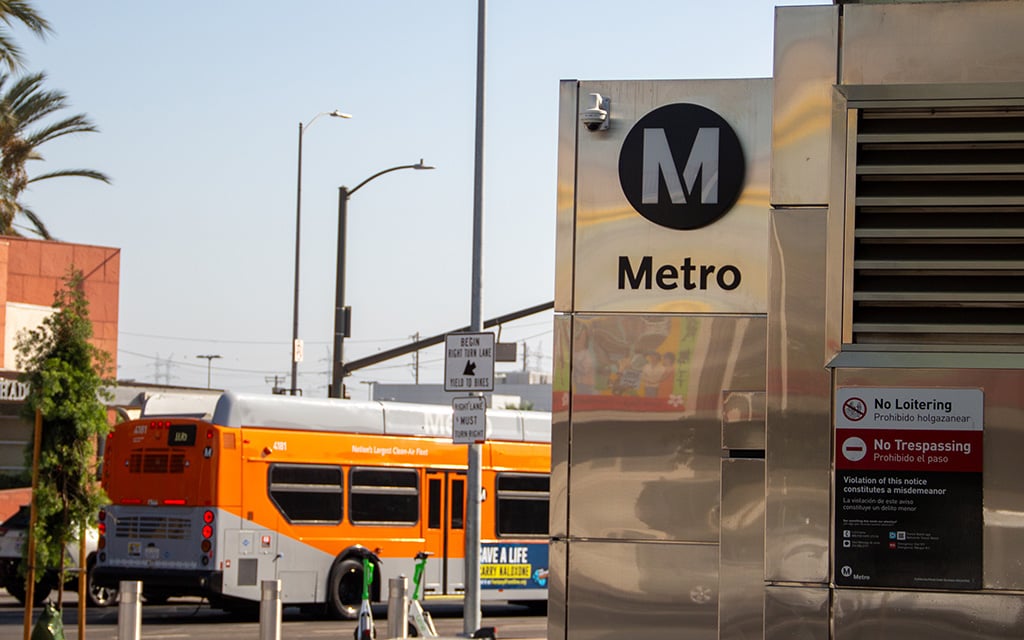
469	362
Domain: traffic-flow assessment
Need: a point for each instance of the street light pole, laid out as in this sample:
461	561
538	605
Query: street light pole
298	228
209	363
342	316
471	615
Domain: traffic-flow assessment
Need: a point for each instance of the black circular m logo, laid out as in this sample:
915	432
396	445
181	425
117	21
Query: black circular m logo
681	166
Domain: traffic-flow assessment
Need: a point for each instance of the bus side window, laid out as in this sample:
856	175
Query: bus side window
384	496
307	493
522	504
434	505
458	503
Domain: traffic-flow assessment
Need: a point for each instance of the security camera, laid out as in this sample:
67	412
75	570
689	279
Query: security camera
595	117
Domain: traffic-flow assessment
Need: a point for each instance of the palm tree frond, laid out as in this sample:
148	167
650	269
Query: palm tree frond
22	11
12	11
80	173
75	124
10	52
24	104
37	225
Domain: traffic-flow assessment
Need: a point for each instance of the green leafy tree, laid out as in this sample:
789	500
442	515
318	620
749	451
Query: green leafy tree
65	373
24	127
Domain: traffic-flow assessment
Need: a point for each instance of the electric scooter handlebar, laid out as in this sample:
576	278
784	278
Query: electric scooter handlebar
363	552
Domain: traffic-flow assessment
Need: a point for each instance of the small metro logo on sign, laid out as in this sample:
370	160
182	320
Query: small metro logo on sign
681	166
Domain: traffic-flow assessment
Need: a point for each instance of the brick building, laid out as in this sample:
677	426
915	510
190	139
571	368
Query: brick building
31	271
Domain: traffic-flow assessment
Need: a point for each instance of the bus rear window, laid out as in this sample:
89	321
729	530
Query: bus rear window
522	504
384	496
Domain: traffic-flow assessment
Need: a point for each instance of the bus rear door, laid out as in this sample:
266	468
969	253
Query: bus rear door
445	532
250	539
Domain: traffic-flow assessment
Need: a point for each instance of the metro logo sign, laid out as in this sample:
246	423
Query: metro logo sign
681	166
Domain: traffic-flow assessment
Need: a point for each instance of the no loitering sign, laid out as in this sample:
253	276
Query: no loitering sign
908	487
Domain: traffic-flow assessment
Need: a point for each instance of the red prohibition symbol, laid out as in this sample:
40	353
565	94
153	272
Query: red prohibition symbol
854	409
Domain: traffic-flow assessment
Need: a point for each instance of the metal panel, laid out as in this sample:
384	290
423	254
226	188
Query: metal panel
558	553
937	233
640	590
796	613
798	455
806	62
839	203
645	456
741	563
1003	536
917	43
558	514
565	205
608	228
912	295
915	615
743	419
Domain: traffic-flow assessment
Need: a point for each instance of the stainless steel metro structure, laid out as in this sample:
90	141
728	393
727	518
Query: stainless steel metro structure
876	249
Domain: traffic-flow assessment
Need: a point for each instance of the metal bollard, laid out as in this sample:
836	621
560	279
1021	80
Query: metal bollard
270	610
398	607
129	610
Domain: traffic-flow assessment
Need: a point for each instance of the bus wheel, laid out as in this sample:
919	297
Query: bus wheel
98	596
345	589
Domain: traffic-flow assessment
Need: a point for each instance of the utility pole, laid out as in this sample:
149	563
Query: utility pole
416	358
276	380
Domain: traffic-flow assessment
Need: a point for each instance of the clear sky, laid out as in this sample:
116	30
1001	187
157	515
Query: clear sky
199	105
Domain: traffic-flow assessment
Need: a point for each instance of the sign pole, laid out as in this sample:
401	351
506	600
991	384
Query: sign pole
471	607
469	367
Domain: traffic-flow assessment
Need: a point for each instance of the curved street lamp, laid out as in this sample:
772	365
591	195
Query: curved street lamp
298	226
342	314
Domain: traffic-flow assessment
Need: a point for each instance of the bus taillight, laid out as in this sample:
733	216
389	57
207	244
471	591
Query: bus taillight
207	544
101	527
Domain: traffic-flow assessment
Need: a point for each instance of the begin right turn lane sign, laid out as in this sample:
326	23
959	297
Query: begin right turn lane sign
469	362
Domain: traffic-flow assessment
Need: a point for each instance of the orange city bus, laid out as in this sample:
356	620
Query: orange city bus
265	487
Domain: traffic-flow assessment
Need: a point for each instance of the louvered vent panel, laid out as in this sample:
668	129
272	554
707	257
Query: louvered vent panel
939	228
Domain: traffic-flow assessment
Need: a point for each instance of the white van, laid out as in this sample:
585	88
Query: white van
12	539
